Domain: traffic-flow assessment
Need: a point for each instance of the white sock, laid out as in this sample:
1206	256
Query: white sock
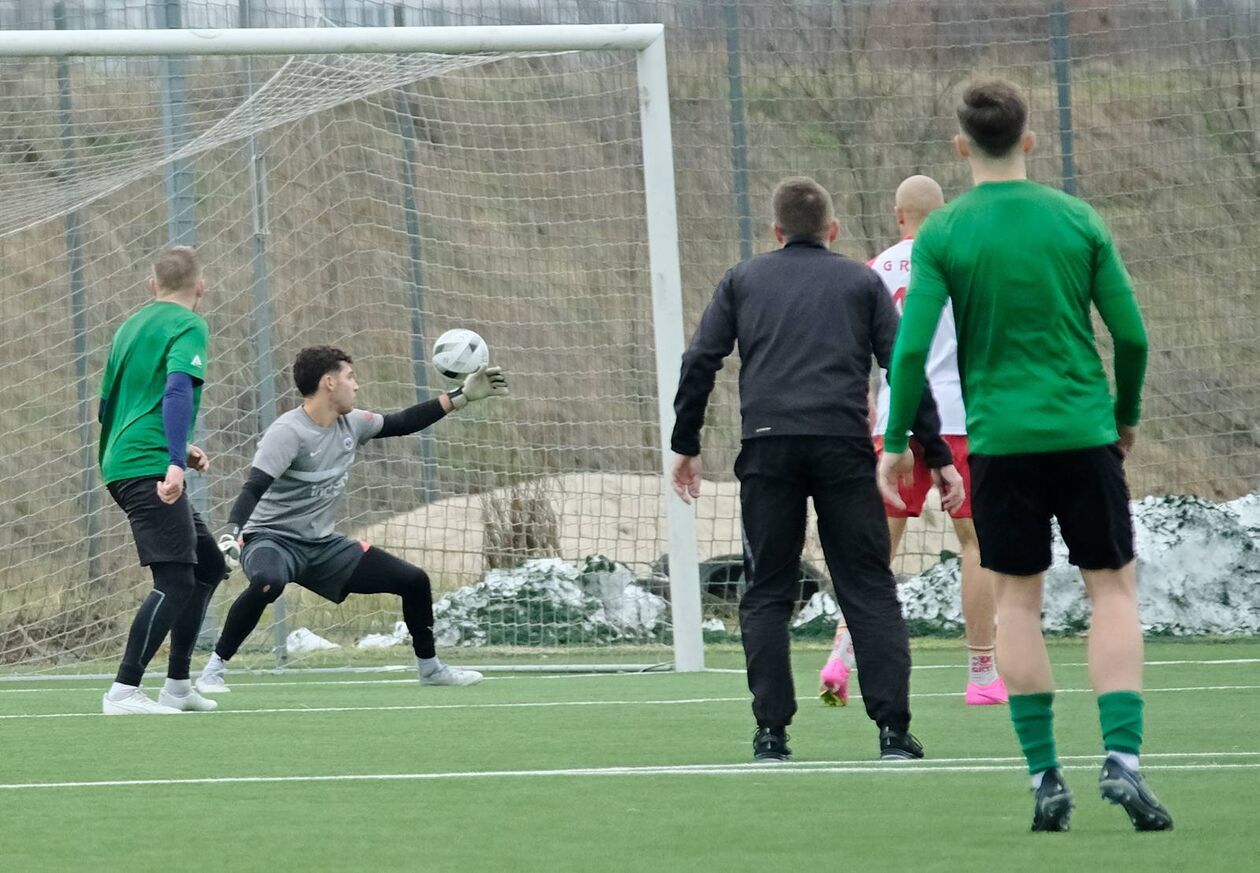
178	687
1127	759
215	664
843	647
429	666
1036	779
983	668
118	691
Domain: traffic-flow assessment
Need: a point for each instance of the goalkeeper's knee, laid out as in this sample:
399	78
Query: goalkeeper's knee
267	575
267	587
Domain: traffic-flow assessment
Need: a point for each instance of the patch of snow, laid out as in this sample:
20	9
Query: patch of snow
304	640
548	601
1198	569
397	637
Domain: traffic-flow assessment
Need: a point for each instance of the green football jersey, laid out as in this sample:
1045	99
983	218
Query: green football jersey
1022	264
160	339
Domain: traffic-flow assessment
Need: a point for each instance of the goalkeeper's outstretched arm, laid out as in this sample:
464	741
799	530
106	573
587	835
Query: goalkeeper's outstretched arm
486	382
414	418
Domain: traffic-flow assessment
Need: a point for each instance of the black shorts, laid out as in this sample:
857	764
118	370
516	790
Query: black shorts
1015	497
323	566
164	532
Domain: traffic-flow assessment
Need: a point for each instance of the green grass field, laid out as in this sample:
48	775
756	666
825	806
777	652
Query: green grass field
371	772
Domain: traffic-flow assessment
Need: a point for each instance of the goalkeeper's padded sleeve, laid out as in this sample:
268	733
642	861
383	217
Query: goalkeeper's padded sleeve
177	416
251	492
412	419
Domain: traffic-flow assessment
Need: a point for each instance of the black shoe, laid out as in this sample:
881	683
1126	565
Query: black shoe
895	745
1120	785
771	744
1052	803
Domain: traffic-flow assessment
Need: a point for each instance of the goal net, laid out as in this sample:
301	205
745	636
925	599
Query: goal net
369	201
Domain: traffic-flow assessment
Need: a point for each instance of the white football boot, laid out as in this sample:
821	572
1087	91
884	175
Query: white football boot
213	679
135	703
448	675
190	702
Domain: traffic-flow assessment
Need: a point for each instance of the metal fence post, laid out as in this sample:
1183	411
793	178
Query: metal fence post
78	311
411	217
260	336
181	224
1061	52
739	127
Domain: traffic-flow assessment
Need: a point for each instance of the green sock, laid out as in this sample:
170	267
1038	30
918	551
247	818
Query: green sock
1120	713
1033	717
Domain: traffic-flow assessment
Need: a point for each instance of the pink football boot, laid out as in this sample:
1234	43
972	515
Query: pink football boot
834	682
986	695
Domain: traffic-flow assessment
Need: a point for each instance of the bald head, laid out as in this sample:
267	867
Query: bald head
916	198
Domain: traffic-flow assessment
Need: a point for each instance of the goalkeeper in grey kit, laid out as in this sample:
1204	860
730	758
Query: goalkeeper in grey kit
283	519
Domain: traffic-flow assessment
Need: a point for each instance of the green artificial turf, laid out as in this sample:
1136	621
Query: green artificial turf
464	779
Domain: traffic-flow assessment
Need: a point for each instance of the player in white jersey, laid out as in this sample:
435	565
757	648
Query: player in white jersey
916	197
283	521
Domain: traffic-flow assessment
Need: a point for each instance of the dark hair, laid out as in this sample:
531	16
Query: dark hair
993	115
177	269
312	363
802	207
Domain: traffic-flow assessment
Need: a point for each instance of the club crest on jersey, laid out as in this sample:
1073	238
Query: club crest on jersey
348	443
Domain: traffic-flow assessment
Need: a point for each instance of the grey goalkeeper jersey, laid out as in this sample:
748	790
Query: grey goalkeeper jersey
310	465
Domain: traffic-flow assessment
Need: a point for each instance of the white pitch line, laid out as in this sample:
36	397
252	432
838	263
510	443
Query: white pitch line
315	682
874	767
539	704
542	676
719	670
97	688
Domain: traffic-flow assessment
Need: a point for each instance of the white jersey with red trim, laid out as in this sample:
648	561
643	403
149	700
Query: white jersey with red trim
893	266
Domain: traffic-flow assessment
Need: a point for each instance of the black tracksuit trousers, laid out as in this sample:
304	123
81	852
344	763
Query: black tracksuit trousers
776	476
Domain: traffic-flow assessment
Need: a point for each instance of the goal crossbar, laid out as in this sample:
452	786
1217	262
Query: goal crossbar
331	40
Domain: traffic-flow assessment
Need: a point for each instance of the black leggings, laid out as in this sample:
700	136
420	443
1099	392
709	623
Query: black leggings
176	607
378	572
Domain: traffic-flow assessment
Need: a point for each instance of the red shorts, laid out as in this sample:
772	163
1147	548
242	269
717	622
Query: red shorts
915	494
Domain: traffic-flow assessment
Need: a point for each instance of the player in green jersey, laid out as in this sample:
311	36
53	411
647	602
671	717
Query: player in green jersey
1022	265
150	394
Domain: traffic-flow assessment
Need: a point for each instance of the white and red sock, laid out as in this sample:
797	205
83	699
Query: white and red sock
983	666
843	647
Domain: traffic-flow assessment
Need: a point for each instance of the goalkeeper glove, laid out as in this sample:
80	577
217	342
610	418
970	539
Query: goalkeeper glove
486	382
230	547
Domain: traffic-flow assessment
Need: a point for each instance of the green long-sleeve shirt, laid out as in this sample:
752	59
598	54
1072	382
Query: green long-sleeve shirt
1022	264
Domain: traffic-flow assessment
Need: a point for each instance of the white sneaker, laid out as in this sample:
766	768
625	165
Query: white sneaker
449	675
190	702
135	703
212	681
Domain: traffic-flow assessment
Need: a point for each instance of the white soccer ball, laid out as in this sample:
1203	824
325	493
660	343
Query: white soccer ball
459	352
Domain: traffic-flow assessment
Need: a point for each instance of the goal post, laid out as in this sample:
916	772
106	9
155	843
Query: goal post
231	115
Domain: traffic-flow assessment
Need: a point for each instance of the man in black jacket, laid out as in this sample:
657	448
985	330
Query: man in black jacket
807	322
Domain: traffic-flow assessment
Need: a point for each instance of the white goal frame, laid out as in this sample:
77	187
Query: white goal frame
646	40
